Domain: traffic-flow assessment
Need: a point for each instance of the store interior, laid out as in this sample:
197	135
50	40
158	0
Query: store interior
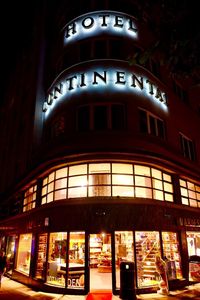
61	259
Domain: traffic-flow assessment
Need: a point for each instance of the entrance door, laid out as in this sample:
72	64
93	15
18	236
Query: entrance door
100	261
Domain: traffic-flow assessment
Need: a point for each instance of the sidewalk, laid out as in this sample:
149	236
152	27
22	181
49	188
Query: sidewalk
12	290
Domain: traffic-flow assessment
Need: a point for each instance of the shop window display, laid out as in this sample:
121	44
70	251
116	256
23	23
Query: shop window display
171	254
147	247
10	250
57	258
24	253
76	266
123	251
41	256
193	243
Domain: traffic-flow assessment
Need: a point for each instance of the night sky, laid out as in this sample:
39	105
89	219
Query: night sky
17	25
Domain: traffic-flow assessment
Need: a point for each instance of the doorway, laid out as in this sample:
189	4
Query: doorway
100	261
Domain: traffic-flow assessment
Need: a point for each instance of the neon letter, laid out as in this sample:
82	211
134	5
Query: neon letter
72	28
102	77
120	77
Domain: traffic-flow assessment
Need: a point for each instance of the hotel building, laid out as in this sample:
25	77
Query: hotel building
100	156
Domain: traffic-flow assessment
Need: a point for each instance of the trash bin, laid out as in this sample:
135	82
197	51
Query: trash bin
127	281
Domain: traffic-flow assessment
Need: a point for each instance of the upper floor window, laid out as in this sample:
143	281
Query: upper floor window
190	193
107	179
151	124
101	117
58	127
187	147
30	198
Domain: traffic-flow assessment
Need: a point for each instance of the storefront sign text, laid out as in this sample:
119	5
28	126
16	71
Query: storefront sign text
189	222
101	80
98	23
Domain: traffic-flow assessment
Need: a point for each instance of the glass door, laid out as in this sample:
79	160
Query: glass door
100	261
123	251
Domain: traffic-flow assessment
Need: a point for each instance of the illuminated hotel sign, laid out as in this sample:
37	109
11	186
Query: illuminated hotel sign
100	22
104	79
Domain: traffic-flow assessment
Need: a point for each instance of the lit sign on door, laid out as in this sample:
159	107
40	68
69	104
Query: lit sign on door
101	22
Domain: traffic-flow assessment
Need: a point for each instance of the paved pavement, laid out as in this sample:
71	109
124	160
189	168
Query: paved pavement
12	290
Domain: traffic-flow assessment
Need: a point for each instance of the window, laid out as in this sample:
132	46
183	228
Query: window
30	198
187	147
76	258
54	186
56	269
107	179
151	124
41	256
117	117
83	121
123	251
190	193
101	117
171	252
58	127
24	253
147	247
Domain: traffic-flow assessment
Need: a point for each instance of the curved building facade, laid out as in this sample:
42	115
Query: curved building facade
114	172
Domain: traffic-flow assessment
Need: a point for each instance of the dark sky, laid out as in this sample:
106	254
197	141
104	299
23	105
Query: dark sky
17	25
16	22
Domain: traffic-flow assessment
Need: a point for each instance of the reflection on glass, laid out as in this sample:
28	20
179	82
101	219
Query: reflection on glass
10	250
147	246
24	253
76	268
56	267
123	251
193	243
41	256
171	254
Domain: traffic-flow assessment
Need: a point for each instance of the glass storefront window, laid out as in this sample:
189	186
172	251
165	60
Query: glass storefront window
193	243
76	266
10	251
171	253
56	268
24	253
123	251
41	256
147	246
